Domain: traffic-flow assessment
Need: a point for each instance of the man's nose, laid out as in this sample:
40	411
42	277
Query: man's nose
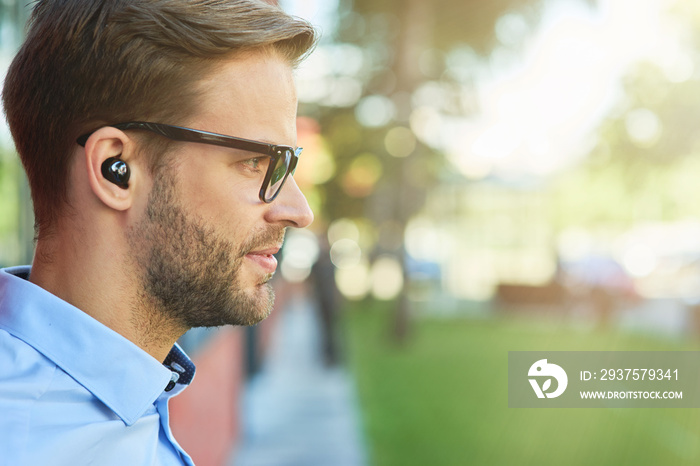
290	207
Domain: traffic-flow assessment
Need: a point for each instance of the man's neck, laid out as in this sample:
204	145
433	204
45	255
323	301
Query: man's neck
105	291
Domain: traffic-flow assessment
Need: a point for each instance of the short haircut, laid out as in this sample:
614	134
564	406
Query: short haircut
87	63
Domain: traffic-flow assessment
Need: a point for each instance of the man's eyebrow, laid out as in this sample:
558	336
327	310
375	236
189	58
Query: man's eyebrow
273	143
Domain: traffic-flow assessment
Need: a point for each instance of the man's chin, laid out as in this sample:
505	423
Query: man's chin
260	303
265	279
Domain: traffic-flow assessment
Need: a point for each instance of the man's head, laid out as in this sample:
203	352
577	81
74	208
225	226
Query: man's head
193	228
205	243
90	63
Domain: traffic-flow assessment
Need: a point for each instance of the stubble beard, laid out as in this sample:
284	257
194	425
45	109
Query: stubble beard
190	275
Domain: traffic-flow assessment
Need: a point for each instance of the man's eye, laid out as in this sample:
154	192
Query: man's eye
255	164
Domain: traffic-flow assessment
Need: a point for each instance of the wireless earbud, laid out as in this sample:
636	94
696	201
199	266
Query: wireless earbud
116	171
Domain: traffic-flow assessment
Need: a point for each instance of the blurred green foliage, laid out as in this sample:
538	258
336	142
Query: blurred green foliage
403	45
452	22
625	182
10	178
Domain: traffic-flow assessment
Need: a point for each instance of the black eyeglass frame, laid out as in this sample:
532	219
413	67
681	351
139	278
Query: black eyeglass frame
182	134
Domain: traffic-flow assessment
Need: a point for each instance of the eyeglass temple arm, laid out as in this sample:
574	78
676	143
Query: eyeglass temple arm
177	133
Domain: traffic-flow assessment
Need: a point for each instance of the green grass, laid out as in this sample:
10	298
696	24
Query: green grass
441	398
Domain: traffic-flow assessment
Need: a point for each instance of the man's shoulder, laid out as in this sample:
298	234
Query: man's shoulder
25	370
43	407
24	379
28	376
26	373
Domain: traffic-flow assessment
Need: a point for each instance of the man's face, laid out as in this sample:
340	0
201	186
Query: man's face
206	241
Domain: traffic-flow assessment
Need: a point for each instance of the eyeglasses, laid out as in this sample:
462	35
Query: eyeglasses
283	159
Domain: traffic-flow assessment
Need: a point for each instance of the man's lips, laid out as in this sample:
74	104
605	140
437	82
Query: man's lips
265	258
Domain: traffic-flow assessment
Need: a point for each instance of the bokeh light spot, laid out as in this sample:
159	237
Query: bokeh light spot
400	142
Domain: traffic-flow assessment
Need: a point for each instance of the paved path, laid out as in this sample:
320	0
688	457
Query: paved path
295	411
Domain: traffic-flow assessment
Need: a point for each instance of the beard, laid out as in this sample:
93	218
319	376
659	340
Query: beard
190	275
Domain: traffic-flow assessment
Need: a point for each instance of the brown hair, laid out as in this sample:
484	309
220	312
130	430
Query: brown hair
89	63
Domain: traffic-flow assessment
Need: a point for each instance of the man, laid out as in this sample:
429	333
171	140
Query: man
158	137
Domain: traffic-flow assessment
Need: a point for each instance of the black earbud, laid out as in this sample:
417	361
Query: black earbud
116	171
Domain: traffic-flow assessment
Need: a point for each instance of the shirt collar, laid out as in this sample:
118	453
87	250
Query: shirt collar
123	376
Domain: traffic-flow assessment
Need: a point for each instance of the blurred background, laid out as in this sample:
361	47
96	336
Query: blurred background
487	176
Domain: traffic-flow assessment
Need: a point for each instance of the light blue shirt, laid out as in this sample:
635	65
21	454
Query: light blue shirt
74	392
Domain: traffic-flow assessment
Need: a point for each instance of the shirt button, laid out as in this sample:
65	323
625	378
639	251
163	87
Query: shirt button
173	380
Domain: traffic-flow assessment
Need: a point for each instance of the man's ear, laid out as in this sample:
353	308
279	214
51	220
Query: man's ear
106	146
